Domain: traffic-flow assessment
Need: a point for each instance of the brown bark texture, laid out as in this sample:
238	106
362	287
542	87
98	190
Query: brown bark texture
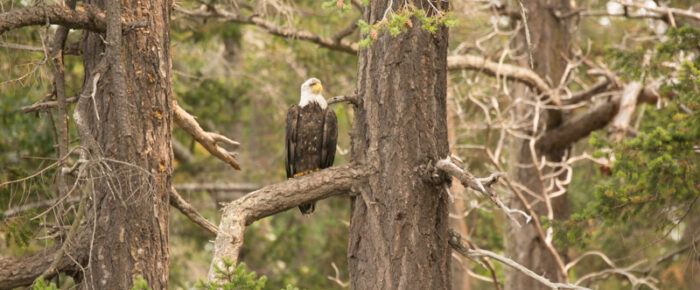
550	42
399	220
132	127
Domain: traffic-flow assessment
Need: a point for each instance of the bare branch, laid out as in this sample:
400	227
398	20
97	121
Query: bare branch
222	14
189	211
42	106
348	98
18	272
517	73
36	205
84	17
628	102
579	126
581	96
481	185
276	198
338	37
217	187
455	241
662	10
207	139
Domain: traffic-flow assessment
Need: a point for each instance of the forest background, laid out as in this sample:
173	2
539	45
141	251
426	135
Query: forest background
634	202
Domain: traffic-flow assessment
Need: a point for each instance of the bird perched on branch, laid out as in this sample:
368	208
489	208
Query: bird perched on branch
312	133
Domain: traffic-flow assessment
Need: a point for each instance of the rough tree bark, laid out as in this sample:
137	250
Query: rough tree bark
399	221
132	125
550	42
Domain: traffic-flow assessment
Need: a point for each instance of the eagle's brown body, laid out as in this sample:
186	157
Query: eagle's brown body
312	133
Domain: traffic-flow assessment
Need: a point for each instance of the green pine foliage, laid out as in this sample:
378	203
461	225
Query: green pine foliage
140	283
399	21
234	277
655	178
41	284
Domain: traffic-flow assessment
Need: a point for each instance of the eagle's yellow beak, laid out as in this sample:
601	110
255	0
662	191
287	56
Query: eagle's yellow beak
316	88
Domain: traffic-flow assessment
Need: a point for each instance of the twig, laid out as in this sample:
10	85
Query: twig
455	242
42	106
662	11
347	98
481	185
189	211
227	16
35	205
71	234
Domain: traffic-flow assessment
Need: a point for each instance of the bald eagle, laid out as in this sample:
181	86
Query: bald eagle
312	133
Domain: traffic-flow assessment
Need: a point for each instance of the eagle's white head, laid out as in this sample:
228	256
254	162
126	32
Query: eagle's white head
311	91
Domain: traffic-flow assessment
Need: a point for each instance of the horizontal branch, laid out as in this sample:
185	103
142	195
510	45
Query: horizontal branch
22	271
581	125
83	17
276	198
517	73
347	98
287	32
455	241
481	185
662	10
217	187
69	49
208	140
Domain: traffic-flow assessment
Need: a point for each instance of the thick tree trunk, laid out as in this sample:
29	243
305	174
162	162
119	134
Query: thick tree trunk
132	127
550	42
398	232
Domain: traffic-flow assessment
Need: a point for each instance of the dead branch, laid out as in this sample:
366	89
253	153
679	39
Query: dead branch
43	106
208	140
661	10
217	187
276	198
481	185
582	96
347	98
345	31
579	126
18	272
287	32
517	73
628	102
36	205
189	211
84	17
455	241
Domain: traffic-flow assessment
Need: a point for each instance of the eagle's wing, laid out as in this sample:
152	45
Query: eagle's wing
330	138
290	143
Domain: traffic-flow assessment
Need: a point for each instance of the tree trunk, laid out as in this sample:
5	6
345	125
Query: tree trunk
399	220
550	42
132	127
